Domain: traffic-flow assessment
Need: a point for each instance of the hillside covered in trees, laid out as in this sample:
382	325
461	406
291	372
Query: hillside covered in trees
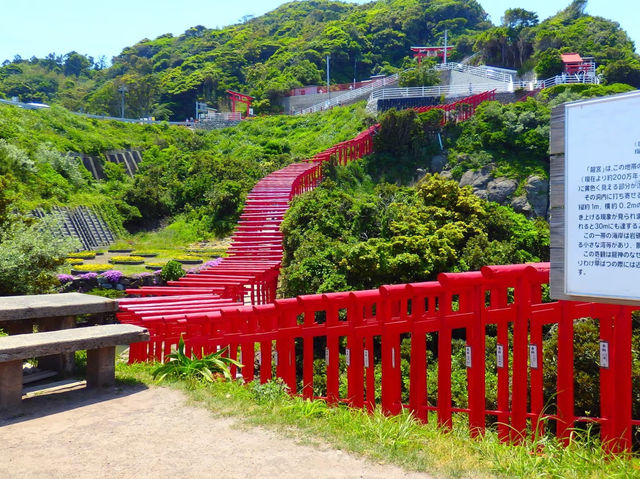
286	48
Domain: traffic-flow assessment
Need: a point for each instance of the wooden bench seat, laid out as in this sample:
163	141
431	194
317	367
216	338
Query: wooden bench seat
99	341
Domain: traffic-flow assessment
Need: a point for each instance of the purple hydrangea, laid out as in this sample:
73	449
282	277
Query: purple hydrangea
89	276
213	262
112	275
65	278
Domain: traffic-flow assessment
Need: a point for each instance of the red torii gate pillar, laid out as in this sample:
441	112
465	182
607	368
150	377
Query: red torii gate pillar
239	98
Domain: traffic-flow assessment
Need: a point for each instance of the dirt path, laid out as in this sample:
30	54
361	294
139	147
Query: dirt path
134	432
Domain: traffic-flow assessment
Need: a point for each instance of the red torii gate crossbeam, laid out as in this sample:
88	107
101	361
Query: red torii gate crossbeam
421	52
239	98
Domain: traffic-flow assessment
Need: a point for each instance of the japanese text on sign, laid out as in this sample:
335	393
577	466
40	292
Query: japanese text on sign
602	198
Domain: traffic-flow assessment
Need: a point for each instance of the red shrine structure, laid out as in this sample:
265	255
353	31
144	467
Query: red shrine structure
574	64
421	52
239	98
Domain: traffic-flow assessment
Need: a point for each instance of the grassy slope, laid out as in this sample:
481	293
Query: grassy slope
173	156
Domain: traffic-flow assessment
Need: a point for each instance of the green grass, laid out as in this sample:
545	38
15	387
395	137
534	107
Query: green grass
400	439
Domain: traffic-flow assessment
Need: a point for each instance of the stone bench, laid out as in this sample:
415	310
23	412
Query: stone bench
99	341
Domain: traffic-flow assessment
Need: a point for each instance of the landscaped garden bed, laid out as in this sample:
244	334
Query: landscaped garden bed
82	255
127	260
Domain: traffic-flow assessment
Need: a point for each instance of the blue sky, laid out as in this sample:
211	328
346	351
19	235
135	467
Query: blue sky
39	27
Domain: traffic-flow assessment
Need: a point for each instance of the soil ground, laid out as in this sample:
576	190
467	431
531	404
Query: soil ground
140	432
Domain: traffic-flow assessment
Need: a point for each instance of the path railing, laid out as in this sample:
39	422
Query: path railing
462	109
363	335
345	98
486	71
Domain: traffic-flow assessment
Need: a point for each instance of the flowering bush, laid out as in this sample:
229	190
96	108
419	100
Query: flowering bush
213	262
127	259
89	276
82	255
65	278
113	275
92	267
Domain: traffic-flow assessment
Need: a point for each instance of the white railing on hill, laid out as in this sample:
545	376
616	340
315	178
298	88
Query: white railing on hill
26	106
347	97
486	71
225	116
437	90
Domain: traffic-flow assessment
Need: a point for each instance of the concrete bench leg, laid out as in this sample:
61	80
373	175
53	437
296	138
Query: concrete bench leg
101	367
63	363
10	385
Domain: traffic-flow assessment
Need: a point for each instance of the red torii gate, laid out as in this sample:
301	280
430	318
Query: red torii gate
421	52
239	98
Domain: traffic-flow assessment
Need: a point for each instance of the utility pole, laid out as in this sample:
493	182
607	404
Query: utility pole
354	71
328	88
123	89
445	47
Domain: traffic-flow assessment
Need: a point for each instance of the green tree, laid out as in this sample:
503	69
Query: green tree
548	63
76	64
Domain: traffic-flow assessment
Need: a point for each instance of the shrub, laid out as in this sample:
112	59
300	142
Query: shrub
112	275
29	258
172	271
272	390
180	366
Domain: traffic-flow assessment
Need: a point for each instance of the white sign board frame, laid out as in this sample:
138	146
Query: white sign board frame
595	200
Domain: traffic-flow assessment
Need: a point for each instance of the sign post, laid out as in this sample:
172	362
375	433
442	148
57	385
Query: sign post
595	200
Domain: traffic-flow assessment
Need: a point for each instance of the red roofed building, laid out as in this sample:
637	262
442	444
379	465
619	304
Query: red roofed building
574	64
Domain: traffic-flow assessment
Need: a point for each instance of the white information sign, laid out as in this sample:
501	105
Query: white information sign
602	197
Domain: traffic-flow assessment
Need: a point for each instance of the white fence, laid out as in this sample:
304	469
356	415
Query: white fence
228	116
437	90
494	73
347	97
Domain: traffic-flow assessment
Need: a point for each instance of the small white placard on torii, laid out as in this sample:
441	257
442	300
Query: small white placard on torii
533	356
604	354
275	358
467	356
366	358
326	356
500	355
348	356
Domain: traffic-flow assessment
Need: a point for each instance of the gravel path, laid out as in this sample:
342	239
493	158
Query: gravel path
135	432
